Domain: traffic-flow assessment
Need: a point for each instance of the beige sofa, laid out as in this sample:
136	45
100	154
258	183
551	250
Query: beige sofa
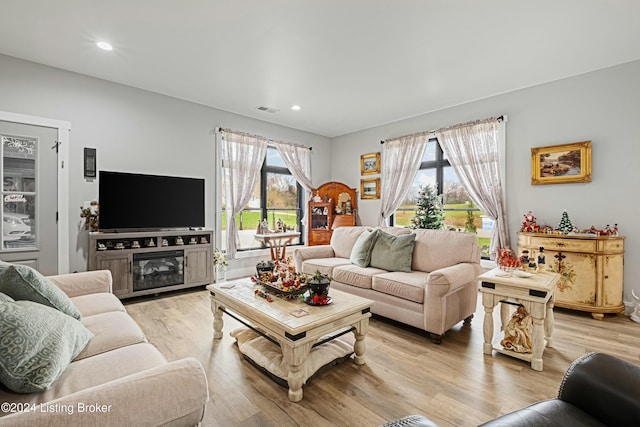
438	292
119	379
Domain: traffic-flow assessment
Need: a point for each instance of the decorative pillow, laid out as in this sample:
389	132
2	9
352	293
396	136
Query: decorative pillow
5	298
361	252
22	282
393	253
37	343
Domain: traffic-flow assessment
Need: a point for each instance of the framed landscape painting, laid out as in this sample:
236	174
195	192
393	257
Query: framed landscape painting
370	164
561	164
370	188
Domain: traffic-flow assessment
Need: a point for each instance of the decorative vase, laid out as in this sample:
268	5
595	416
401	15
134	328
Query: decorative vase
221	273
319	287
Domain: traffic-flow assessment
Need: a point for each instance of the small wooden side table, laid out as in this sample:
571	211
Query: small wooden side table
277	242
535	293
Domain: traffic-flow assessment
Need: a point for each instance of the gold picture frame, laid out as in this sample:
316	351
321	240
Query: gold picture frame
370	188
561	164
370	164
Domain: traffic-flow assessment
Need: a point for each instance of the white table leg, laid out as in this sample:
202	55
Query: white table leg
295	358
504	315
537	344
549	322
218	323
360	347
488	328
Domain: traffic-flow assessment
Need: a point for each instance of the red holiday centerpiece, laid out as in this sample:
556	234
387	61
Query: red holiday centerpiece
507	259
282	280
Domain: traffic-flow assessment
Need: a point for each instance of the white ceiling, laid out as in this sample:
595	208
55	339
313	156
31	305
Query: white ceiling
350	64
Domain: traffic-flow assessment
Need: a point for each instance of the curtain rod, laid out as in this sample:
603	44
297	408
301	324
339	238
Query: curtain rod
223	130
433	132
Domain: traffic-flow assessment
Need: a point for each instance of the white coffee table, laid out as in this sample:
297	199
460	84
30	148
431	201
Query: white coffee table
296	335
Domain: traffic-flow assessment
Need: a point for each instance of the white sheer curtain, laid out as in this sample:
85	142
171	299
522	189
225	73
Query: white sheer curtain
243	156
401	159
298	161
474	153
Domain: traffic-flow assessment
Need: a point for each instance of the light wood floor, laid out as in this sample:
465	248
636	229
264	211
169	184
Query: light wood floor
454	384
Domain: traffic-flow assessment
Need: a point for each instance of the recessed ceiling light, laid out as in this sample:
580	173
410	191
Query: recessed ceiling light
104	46
295	107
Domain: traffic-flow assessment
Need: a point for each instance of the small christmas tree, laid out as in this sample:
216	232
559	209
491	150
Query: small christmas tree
470	225
429	209
565	223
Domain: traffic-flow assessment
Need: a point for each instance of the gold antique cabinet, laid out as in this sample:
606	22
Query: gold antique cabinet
591	269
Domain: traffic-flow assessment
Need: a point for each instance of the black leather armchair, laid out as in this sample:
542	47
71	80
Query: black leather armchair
597	390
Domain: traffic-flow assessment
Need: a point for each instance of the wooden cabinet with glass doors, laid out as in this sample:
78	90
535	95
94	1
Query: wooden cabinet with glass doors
333	205
320	217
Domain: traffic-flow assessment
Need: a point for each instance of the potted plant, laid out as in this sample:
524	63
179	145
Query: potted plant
90	215
319	283
220	265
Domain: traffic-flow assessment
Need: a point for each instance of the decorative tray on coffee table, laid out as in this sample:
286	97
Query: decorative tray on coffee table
279	287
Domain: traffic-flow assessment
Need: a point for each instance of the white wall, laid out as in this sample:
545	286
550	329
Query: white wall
133	131
602	106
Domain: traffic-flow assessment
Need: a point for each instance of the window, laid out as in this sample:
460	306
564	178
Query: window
18	191
276	196
459	210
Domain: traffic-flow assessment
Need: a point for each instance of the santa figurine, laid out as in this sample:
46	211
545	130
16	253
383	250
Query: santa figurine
529	224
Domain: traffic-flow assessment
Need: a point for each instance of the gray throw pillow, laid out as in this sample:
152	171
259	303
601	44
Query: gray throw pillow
393	253
37	343
5	298
361	252
22	282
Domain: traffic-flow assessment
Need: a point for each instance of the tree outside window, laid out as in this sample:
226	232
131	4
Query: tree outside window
460	211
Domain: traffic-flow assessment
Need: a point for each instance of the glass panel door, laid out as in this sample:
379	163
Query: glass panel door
28	170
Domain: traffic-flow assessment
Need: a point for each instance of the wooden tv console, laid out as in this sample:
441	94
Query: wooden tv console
151	262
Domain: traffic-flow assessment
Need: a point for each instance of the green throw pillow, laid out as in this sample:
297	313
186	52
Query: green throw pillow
37	343
361	251
393	253
22	282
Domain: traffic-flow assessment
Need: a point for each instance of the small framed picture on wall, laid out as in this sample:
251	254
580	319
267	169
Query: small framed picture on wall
561	164
370	188
370	164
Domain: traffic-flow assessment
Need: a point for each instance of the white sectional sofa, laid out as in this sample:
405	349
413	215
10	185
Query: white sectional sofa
118	379
436	290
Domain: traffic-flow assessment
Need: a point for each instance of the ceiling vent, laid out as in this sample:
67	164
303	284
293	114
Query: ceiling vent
267	109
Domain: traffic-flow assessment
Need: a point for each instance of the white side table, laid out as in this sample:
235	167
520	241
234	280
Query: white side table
535	293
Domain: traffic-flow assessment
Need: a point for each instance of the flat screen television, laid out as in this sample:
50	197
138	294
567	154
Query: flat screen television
130	201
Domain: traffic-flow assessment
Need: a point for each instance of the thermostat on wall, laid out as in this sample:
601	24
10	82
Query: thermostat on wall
90	165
